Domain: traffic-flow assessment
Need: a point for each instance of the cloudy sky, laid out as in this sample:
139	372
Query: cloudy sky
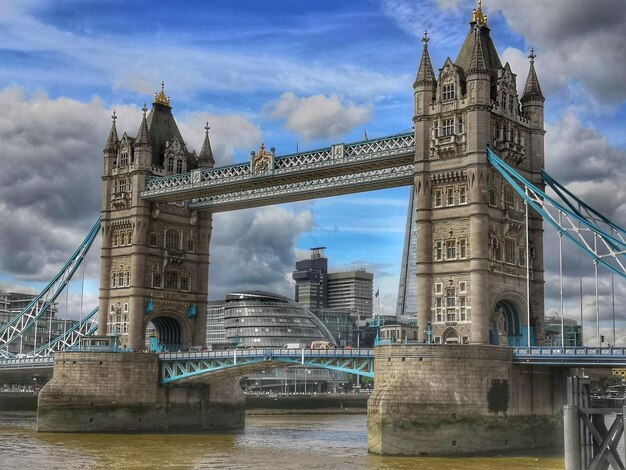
291	74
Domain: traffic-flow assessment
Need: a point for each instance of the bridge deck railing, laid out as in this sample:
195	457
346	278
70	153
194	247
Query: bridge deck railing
229	353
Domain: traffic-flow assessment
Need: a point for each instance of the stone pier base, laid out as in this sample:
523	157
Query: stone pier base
444	400
120	392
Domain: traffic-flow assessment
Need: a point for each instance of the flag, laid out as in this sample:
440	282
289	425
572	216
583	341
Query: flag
377	292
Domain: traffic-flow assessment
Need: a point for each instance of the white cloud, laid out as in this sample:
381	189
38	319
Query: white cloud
255	249
577	39
129	64
318	116
51	161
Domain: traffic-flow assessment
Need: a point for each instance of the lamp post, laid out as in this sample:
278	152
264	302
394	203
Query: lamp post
429	333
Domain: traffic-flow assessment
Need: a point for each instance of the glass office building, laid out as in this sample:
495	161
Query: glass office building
262	319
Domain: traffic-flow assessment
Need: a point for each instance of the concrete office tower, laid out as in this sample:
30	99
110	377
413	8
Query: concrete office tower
155	256
352	291
470	224
310	276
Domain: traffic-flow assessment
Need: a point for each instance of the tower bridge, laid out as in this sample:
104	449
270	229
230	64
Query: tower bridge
479	268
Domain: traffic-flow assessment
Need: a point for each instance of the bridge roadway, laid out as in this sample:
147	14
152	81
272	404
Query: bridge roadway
340	169
196	366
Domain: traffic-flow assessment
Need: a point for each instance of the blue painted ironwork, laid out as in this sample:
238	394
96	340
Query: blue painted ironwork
604	248
70	338
27	363
200	365
24	320
580	356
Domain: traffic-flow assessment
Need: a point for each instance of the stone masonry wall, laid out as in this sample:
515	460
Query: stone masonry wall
459	400
120	392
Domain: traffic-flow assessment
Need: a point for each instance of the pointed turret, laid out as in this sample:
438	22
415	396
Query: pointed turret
143	136
112	141
425	74
478	62
478	49
532	90
143	144
205	159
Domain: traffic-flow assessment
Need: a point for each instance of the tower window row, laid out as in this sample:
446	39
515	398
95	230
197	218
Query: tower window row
453	249
506	132
122	185
171	279
449	306
450	196
117	321
446	127
122	237
507	251
175	163
120	279
173	241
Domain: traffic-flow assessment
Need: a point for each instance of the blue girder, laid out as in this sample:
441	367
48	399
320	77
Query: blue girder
24	320
605	249
201	365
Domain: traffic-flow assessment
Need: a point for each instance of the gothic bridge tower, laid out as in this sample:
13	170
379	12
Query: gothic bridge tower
154	260
471	243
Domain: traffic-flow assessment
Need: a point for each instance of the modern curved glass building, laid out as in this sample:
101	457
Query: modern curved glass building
262	319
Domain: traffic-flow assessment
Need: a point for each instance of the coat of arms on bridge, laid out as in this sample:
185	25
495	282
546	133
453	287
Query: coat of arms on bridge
263	161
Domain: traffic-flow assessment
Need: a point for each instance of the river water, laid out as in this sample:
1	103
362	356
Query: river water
268	442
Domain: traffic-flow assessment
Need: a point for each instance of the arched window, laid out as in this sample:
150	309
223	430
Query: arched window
172	240
170	165
179	166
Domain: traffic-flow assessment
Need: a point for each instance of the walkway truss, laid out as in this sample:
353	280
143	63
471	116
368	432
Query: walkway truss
340	169
190	367
26	319
601	239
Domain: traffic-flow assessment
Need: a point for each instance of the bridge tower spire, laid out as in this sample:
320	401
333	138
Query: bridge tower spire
154	259
471	244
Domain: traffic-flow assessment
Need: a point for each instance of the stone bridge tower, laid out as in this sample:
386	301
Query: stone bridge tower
471	243
154	260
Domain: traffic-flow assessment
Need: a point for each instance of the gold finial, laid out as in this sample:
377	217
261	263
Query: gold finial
262	151
160	98
478	16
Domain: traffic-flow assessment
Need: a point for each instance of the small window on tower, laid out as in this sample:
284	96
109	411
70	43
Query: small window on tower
450	196
461	124
179	166
448	91
462	195
438	198
448	127
124	158
170	165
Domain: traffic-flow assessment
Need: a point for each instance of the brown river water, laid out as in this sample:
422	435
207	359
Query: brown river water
268	442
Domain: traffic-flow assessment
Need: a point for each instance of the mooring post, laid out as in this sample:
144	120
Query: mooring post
572	437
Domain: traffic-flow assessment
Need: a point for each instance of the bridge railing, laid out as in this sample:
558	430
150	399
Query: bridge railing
241	353
26	362
569	351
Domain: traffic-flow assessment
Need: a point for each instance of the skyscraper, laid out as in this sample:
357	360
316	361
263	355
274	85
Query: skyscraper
407	288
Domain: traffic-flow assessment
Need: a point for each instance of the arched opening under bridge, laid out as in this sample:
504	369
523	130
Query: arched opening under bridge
164	333
506	328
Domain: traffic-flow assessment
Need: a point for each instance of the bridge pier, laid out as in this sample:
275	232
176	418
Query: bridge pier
461	400
120	392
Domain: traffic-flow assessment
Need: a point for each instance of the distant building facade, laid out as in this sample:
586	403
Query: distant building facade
573	332
263	320
215	329
48	327
350	292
